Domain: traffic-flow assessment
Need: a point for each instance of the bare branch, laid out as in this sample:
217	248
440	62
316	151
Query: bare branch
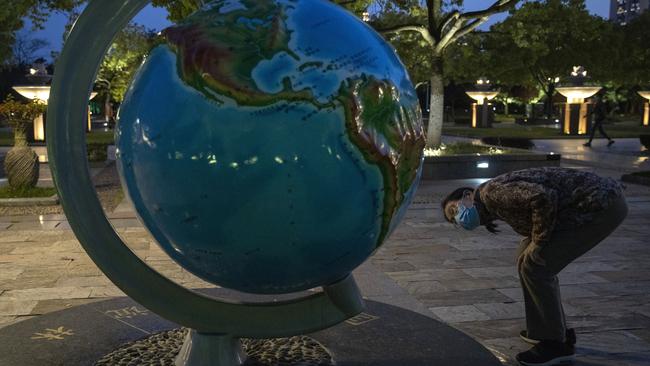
447	37
458	25
411	28
537	75
447	19
498	7
467	28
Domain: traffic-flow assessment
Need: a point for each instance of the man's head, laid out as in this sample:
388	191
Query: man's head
451	202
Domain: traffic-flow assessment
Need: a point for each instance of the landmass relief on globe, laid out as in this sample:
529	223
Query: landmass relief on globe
271	146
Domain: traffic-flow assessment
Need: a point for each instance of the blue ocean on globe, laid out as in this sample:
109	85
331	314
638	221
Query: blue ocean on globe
270	146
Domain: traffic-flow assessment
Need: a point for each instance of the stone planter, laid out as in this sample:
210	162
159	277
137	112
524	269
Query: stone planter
483	166
35	201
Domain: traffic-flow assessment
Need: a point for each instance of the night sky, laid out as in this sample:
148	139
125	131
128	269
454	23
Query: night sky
155	18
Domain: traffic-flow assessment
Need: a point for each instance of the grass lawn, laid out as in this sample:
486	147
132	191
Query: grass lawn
619	130
98	137
9	192
462	148
645	174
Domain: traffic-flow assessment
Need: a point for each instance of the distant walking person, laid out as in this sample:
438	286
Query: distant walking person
600	114
562	214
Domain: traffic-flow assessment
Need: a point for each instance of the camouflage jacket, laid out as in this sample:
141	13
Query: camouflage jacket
535	202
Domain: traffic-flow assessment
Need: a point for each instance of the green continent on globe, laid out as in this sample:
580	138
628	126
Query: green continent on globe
374	116
219	61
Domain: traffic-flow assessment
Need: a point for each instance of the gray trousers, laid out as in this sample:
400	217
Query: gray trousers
545	318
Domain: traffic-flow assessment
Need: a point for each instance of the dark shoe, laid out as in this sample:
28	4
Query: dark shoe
587	144
570	337
610	142
548	353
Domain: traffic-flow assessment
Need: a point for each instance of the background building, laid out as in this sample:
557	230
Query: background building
622	11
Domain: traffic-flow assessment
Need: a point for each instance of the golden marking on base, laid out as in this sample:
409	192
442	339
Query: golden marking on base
53	334
361	319
127	313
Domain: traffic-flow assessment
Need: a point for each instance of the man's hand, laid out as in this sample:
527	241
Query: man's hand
532	253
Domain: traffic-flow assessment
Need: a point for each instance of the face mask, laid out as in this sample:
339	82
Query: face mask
467	215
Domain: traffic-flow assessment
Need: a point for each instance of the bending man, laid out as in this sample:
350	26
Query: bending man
562	214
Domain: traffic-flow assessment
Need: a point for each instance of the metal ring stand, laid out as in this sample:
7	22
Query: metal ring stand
216	324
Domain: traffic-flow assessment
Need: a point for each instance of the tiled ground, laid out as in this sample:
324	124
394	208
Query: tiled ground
466	279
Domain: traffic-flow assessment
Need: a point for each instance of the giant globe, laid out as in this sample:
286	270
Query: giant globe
270	146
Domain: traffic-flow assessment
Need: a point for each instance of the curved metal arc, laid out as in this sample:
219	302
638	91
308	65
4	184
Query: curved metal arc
85	47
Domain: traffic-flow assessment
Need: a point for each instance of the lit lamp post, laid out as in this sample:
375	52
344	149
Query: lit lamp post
576	112
40	91
646	108
482	94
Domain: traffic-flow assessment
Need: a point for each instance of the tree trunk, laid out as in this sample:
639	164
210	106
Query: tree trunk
20	132
548	103
108	108
437	104
506	108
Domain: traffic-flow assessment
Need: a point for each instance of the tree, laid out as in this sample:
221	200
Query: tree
180	9
438	28
628	63
624	68
14	12
25	49
121	62
541	42
21	162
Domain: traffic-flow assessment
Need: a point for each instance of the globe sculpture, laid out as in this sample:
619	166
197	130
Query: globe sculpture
270	146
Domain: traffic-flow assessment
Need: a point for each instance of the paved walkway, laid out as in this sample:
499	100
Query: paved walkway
624	155
466	279
627	154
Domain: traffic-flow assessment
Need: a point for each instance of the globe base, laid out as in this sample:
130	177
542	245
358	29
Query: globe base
209	349
201	349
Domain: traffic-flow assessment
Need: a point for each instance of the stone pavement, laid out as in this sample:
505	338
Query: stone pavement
627	154
466	279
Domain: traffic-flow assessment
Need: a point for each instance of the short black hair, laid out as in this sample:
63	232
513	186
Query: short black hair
456	195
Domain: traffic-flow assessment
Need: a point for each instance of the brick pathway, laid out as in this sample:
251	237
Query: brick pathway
466	279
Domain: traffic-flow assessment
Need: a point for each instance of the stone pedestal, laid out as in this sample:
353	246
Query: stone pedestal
575	118
37	132
482	116
120	331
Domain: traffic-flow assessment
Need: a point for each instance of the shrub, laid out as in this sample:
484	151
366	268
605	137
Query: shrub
512	142
21	163
97	151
